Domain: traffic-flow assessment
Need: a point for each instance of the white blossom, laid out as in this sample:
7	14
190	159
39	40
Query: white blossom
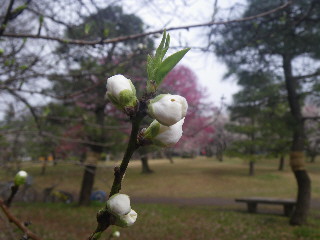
121	92
168	109
20	178
164	136
119	204
127	220
116	234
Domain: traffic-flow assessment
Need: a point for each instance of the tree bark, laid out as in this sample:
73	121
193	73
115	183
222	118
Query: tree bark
297	161
251	168
313	158
145	165
44	165
87	184
281	163
92	157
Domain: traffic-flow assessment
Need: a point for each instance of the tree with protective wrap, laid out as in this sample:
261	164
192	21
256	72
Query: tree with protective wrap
285	45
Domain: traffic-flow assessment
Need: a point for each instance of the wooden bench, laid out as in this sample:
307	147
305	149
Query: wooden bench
252	203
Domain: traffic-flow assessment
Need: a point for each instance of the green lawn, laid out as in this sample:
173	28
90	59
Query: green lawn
186	178
170	222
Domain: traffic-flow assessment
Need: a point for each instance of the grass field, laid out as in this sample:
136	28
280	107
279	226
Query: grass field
186	178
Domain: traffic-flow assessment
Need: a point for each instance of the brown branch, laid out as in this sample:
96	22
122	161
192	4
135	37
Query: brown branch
17	222
31	109
6	18
14	190
315	74
141	35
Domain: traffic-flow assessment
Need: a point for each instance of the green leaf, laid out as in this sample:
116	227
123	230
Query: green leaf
87	28
164	51
23	67
150	67
168	64
41	19
106	32
160	48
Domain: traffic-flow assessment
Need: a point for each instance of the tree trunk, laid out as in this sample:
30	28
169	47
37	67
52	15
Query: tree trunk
145	165
87	184
93	155
168	155
55	162
313	158
297	161
281	163
44	165
251	168
219	156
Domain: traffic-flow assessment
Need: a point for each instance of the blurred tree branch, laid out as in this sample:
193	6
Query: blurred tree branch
17	222
140	35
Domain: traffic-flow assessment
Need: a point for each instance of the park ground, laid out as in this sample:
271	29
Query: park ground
189	199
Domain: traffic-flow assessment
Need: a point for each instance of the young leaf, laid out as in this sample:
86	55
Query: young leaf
159	49
87	27
164	51
150	67
168	64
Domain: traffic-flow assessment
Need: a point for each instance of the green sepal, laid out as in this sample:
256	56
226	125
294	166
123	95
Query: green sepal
157	98
113	100
19	180
152	131
158	143
120	222
127	98
133	88
168	64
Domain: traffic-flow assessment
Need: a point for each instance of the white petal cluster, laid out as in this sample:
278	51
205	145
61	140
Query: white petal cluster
168	109
128	219
121	92
119	206
170	135
164	136
116	234
20	178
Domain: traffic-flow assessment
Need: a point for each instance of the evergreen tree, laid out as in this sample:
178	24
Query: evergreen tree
286	45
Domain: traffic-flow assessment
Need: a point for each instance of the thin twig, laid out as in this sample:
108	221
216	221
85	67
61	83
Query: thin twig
141	35
14	190
17	222
104	218
6	18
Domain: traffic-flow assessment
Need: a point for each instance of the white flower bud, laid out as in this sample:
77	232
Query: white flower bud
116	234
162	135
127	220
121	92
119	204
168	109
20	178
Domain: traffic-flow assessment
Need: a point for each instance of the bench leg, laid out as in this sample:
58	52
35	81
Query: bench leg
252	207
288	209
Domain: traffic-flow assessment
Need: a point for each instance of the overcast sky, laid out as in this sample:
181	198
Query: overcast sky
208	69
